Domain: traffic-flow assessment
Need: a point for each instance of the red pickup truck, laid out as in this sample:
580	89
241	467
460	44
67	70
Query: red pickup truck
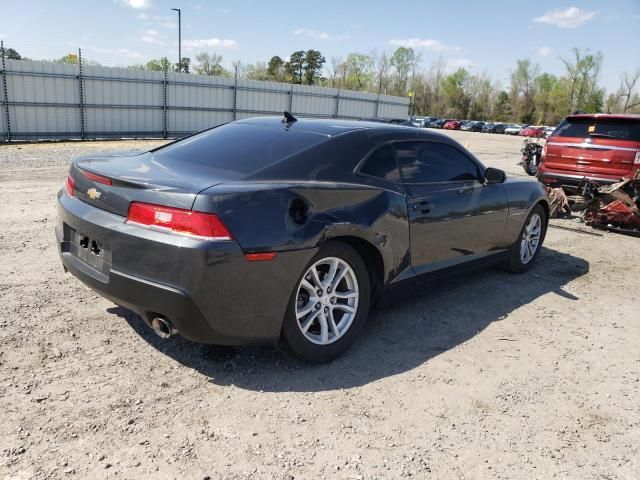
603	148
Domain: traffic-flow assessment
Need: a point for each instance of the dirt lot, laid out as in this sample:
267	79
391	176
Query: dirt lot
488	376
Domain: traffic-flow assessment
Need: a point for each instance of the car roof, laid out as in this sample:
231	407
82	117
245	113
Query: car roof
612	116
333	127
326	127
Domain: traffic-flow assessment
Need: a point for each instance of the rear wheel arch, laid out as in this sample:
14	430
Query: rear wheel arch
372	258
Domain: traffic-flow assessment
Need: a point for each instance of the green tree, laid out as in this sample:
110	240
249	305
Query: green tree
295	66
583	70
158	65
453	90
210	64
357	70
404	60
544	109
275	69
523	90
313	63
183	65
10	53
502	108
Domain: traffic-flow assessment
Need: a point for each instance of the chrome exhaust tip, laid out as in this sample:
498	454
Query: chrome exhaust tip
162	327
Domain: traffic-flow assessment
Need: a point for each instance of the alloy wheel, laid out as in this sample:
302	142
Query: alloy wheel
327	300
530	238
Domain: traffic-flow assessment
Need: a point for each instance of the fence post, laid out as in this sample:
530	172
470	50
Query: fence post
291	98
165	132
378	104
5	94
235	93
337	112
81	87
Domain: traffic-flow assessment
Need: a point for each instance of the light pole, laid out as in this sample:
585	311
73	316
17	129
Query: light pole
179	38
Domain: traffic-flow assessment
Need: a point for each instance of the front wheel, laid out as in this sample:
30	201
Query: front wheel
329	305
525	250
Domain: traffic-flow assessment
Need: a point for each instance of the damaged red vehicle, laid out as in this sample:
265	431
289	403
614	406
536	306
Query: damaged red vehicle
600	148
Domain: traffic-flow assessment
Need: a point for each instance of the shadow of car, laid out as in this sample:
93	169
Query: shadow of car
409	327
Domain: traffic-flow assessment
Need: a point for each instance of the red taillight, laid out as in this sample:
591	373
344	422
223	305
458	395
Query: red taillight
178	220
96	178
70	185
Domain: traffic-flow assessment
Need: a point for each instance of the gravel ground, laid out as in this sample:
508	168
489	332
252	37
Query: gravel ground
487	376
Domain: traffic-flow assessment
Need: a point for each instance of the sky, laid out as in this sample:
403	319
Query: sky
484	36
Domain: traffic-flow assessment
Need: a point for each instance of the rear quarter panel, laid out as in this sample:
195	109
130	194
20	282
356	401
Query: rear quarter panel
258	216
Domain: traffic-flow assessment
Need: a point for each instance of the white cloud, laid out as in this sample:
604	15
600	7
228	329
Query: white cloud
152	36
544	51
2	35
210	43
161	21
572	17
308	32
459	63
427	43
116	52
137	4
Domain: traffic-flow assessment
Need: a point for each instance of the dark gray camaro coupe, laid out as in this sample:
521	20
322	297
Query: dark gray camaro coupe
267	230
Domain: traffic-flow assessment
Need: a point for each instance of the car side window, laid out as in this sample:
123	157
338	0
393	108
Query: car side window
431	162
382	164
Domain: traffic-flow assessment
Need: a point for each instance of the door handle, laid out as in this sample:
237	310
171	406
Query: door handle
422	207
462	191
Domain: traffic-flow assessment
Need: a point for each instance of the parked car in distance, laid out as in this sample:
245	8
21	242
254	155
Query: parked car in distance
532	131
472	126
270	231
548	131
513	129
494	128
603	148
416	121
436	123
452	125
391	120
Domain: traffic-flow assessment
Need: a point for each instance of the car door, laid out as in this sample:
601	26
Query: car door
453	215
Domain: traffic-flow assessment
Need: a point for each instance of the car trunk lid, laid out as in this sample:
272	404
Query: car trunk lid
111	182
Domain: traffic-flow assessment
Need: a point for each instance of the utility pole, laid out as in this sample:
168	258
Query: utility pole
179	38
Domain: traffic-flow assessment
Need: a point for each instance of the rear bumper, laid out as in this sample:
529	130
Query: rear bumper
208	290
571	181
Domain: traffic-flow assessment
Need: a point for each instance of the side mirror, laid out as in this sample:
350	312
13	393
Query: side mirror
494	175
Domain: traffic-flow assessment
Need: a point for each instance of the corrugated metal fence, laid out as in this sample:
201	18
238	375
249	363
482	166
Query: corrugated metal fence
42	100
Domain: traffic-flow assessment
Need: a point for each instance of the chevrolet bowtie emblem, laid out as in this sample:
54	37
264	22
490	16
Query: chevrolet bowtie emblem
93	193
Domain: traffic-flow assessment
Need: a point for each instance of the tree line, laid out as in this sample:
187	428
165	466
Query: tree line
531	96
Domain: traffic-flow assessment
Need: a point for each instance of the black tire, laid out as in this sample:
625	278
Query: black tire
292	335
514	262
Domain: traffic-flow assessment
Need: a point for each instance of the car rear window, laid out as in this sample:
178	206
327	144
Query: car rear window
614	128
239	148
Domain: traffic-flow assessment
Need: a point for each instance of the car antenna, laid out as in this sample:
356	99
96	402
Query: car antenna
288	118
